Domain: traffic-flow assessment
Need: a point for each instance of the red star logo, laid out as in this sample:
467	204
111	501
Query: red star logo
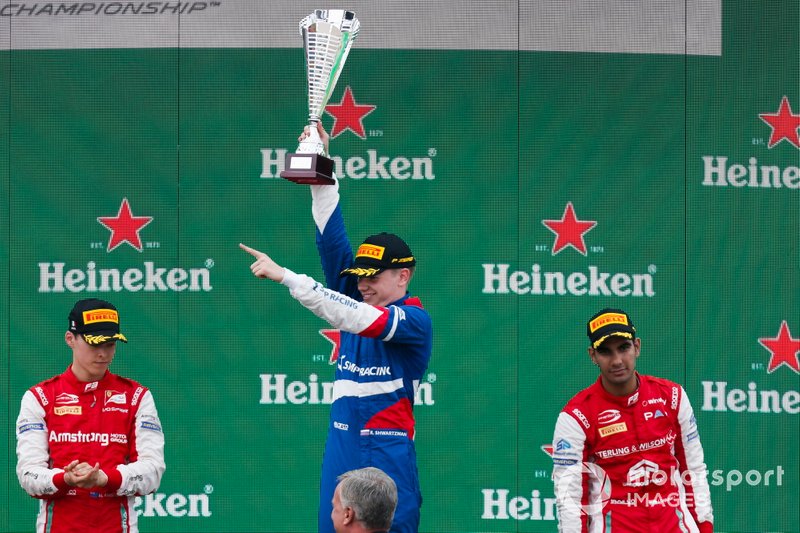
784	124
784	350
548	449
124	227
333	335
348	115
569	230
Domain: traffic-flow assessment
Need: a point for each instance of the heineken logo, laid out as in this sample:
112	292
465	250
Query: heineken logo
58	276
371	165
570	231
784	351
722	171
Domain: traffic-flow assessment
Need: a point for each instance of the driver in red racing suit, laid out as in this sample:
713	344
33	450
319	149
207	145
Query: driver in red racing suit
89	441
626	451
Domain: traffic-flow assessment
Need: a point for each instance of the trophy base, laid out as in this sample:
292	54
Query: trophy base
308	169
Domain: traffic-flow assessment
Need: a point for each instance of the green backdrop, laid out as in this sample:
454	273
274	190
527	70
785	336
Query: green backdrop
660	140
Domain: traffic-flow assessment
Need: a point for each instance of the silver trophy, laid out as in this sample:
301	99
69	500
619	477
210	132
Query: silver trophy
328	35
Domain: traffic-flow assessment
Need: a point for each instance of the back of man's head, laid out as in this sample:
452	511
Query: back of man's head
371	494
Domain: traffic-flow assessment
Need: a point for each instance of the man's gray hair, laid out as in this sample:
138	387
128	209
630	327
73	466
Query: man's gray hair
371	494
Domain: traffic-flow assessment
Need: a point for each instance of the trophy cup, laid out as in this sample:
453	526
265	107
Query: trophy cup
328	35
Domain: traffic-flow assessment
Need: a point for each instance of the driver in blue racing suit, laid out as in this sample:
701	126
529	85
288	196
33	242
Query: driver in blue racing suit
386	340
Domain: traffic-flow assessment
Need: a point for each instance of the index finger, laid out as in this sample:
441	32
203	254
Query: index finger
251	251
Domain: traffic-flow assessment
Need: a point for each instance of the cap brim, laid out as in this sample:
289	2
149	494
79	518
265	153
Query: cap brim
97	338
603	339
361	272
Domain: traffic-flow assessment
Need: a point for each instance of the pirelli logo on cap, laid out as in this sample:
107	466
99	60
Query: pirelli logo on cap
606	319
371	251
612	429
100	315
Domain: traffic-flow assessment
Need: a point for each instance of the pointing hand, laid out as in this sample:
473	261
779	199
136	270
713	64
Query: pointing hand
263	266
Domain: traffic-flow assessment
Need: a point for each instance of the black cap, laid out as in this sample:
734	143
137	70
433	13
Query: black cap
380	252
97	320
608	322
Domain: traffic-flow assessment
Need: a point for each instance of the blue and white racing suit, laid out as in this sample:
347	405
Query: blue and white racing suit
384	354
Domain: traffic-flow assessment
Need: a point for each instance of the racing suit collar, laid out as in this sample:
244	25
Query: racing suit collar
407	299
82	387
624	401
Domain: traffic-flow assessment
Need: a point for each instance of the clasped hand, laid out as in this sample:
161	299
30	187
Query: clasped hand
84	475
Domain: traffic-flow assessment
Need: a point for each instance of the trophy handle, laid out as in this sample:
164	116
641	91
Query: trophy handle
309	165
313	138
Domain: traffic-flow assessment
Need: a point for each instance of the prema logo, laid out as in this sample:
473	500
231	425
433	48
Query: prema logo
176	505
570	231
125	228
608	416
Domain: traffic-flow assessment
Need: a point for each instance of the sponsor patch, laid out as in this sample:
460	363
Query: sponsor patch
606	319
136	395
563	444
115	410
42	397
612	429
152	426
68	410
100	315
119	398
564	462
30	427
383	432
582	418
633	399
370	250
66	397
608	416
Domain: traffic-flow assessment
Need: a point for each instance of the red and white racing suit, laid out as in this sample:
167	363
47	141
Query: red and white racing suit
630	463
113	422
